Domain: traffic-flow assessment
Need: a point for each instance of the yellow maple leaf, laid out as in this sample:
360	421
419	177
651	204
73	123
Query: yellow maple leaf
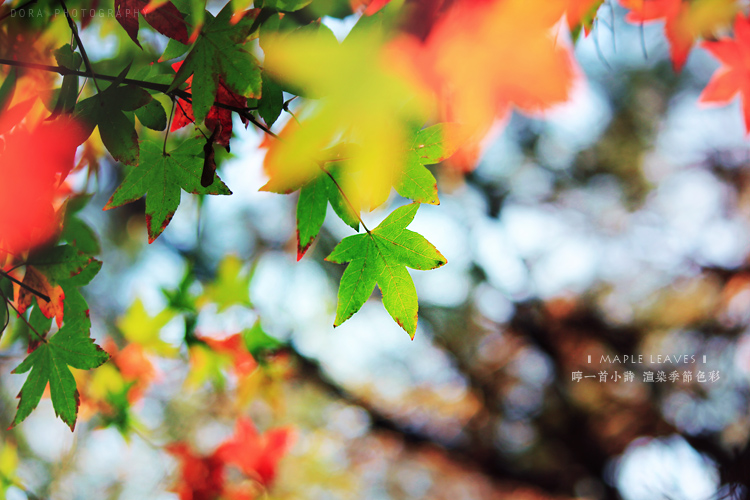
367	97
138	327
232	285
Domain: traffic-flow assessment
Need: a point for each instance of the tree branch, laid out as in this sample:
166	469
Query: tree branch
187	96
492	466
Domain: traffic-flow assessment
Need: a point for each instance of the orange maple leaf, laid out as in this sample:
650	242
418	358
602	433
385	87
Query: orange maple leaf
733	76
472	61
135	367
37	281
684	21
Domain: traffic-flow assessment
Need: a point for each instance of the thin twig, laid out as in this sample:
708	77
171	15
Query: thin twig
20	7
7	301
74	29
186	96
285	107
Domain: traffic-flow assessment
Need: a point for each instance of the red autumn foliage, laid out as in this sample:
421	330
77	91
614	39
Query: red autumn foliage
35	280
33	164
256	456
734	75
135	368
470	59
166	19
201	478
233	346
217	117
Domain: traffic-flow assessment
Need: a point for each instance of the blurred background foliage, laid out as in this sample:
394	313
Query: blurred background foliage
616	224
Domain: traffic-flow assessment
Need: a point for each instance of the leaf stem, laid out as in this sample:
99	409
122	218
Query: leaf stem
74	29
343	195
169	125
24	286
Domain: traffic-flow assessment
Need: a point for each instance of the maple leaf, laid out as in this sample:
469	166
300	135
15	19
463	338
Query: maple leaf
312	206
160	177
220	54
231	286
412	180
35	280
218	119
49	363
381	257
684	21
233	347
429	146
257	455
136	369
66	265
257	342
30	177
141	329
581	14
368	101
472	61
106	111
166	19
47	272
733	77
202	478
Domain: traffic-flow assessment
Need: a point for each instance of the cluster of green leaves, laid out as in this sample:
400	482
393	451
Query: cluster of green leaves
218	74
58	272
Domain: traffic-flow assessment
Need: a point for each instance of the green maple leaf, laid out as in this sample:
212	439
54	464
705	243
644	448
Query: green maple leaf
65	264
429	146
160	177
381	257
70	346
312	206
219	52
107	111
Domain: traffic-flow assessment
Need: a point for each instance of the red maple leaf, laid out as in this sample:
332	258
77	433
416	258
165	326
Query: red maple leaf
256	455
217	117
33	164
166	19
684	21
733	76
244	363
672	12
201	478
